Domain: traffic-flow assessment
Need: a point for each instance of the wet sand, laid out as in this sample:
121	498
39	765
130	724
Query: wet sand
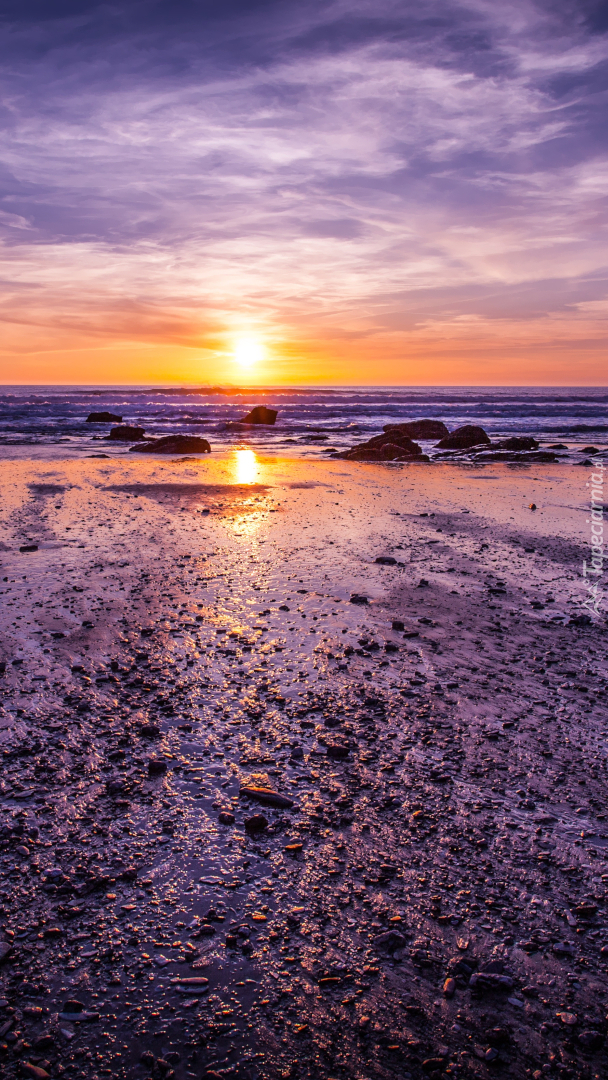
185	631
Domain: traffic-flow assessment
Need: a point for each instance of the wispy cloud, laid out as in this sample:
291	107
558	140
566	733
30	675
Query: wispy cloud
320	174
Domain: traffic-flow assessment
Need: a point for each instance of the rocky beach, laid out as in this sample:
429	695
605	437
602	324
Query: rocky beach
303	770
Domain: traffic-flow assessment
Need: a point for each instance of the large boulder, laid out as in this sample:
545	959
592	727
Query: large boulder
464	437
174	444
259	415
126	433
103	418
419	429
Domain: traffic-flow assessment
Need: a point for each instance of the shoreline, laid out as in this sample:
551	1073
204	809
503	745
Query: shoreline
441	745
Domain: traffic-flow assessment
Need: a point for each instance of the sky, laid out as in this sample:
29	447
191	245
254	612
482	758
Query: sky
331	191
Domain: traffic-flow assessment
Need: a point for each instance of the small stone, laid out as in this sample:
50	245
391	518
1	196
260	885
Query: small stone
266	796
256	824
226	818
156	766
591	1040
567	1018
449	988
34	1070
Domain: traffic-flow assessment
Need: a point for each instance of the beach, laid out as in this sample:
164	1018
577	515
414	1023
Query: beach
274	808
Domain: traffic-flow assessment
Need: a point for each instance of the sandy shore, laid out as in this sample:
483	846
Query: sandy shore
184	630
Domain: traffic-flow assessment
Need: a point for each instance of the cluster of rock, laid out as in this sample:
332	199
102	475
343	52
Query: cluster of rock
396	444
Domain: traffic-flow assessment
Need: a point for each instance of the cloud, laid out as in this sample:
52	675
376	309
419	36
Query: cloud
318	172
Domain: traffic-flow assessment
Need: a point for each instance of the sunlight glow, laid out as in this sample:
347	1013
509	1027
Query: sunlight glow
246	467
249	351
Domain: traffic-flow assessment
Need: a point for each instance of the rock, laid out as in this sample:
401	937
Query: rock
103	418
226	818
256	824
523	442
266	796
386	560
259	415
392	939
174	444
6	949
490	981
34	1070
386	447
126	433
337	751
357	598
563	948
147	1059
419	429
463	437
156	766
591	1040
589	450
580	620
568	1018
149	731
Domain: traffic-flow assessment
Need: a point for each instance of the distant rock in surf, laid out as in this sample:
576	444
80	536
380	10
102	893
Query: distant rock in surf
260	415
419	429
126	433
103	418
173	444
464	437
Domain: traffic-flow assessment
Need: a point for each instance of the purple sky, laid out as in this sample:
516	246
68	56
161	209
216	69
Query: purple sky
399	179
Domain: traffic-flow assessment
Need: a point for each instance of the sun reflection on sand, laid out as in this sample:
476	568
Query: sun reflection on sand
245	467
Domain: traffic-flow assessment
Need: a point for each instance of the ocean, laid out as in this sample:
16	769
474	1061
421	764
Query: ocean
49	422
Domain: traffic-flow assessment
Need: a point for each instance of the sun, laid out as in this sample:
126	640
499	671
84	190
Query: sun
248	352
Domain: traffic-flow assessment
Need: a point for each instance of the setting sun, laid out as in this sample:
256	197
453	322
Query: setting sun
248	351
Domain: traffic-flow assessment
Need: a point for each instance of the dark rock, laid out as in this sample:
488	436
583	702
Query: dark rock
463	437
489	981
591	1040
29	547
226	818
149	731
256	824
589	450
103	418
419	429
523	442
337	751
34	1070
386	560
156	766
174	444
73	1006
385	447
5	950
126	433
266	796
357	598
259	415
390	940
